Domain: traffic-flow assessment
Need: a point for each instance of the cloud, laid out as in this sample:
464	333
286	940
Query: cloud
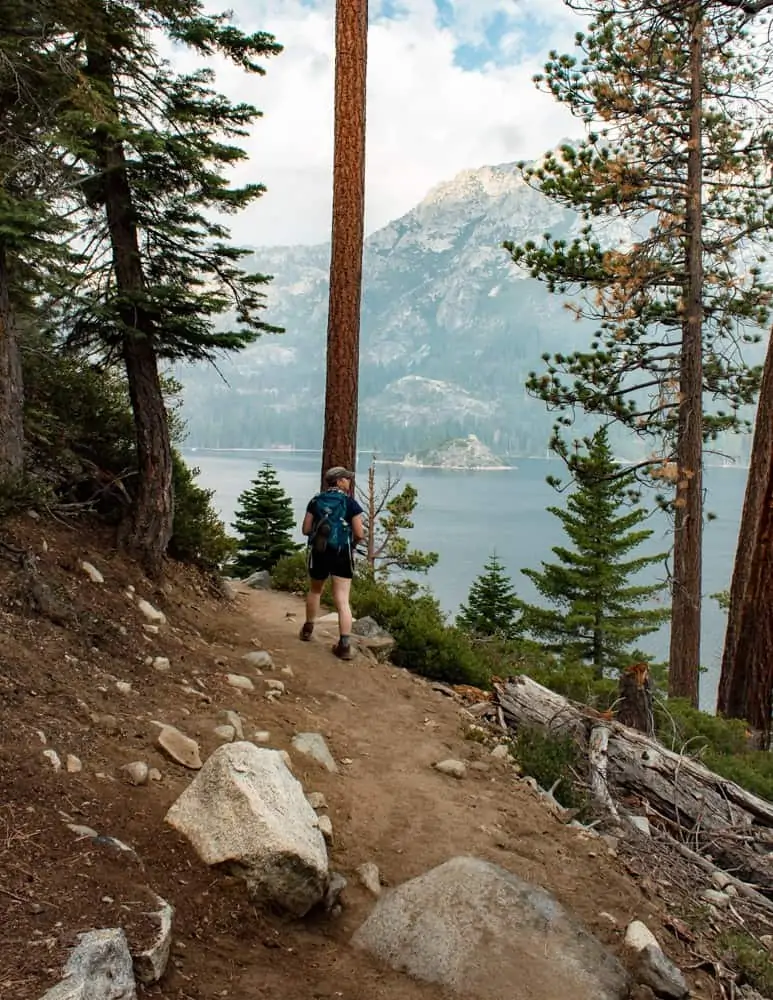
449	87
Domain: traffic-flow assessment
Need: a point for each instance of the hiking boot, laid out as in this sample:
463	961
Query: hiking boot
306	632
343	652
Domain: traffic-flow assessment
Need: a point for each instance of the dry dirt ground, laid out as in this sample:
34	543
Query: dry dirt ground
58	692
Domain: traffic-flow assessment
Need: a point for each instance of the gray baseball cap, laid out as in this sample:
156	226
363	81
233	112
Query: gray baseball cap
337	472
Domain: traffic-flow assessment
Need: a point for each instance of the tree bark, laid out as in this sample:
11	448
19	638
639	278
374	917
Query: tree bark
746	681
153	509
372	517
343	326
11	382
684	657
635	707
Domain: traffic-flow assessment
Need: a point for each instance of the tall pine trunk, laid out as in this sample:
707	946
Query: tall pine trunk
372	515
153	509
684	658
746	681
11	384
343	325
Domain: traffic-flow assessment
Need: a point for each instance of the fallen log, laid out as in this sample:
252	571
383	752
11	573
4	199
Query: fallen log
700	804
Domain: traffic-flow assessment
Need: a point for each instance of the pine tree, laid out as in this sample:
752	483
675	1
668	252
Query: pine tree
683	158
265	522
492	607
597	613
151	148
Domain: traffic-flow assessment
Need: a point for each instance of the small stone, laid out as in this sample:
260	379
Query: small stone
608	917
325	825
316	800
336	886
152	614
287	759
179	747
150	629
640	823
154	774
766	940
150	964
313	745
370	877
287	671
107	722
720	880
225	733
260	659
82	831
653	967
240	681
98	968
501	751
273	685
136	773
92	572
53	757
73	764
262	736
453	768
715	897
124	687
161	663
234	719
480	765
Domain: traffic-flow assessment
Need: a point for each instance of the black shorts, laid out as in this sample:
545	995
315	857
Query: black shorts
331	562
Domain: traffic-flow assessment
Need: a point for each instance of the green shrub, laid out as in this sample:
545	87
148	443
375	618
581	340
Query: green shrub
749	958
290	573
198	535
20	493
550	758
425	643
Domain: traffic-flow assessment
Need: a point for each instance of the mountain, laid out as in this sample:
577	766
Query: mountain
459	453
450	330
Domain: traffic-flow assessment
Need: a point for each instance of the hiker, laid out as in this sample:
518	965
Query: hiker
333	526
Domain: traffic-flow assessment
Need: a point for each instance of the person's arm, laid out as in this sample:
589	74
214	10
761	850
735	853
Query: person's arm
308	520
358	530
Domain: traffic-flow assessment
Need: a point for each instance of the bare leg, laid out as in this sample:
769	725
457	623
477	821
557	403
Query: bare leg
341	588
312	599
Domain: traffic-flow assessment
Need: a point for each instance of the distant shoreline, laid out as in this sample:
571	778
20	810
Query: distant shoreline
447	468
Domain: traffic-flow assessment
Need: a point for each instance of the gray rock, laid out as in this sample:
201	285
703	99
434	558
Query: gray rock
99	968
259	658
234	719
651	966
136	773
313	745
721	880
370	877
325	825
262	736
453	768
53	758
316	800
501	751
715	897
260	580
150	964
274	686
336	886
654	968
179	747
369	628
240	681
225	733
152	614
161	663
246	811
478	929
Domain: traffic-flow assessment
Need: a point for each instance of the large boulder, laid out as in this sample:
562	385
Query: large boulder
99	968
246	811
368	635
259	580
485	933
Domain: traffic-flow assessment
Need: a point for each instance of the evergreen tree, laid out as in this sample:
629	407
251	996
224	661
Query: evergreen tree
151	149
597	613
265	522
683	157
492	606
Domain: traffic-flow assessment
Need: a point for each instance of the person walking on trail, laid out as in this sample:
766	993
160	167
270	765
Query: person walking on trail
333	526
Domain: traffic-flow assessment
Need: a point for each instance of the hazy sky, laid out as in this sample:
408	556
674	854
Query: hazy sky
449	87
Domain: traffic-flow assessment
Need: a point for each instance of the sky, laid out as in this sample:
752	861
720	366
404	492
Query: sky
449	88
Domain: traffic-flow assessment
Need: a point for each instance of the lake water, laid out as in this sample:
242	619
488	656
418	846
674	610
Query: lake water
464	516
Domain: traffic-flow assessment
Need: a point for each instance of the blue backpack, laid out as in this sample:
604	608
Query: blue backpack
331	528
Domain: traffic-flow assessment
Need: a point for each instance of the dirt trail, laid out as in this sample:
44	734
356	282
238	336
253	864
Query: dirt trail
387	805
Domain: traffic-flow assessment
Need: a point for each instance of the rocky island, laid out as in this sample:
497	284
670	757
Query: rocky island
458	453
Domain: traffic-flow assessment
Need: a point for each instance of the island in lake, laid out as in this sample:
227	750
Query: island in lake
467	453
